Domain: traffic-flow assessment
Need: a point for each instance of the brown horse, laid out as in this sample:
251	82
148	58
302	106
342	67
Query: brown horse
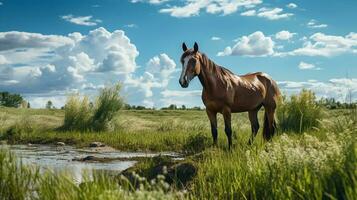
224	92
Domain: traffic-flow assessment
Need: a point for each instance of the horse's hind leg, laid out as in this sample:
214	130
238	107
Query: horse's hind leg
269	123
253	118
212	116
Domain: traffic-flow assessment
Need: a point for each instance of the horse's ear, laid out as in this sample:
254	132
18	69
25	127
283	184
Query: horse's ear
195	47
184	47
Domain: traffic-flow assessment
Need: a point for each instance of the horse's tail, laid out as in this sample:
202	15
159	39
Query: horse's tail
268	131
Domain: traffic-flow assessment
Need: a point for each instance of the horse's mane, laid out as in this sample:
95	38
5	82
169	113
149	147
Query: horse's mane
223	74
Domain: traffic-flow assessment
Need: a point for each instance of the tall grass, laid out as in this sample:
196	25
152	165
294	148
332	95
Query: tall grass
106	105
80	115
299	113
291	167
18	182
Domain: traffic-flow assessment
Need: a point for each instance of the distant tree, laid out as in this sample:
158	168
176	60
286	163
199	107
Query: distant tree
49	104
28	105
196	108
140	108
172	107
10	100
183	107
127	107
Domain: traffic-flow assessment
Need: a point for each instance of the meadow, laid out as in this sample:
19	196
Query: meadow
313	162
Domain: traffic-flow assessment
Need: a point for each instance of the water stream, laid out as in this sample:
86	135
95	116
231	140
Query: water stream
64	159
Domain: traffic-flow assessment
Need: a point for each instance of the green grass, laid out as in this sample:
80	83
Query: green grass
133	130
319	163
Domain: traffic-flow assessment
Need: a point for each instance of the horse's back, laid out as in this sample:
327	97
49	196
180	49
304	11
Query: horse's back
271	89
272	92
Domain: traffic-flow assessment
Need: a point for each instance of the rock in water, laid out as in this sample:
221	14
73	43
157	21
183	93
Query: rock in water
96	144
60	144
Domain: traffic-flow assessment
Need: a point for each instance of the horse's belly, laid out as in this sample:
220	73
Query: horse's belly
247	102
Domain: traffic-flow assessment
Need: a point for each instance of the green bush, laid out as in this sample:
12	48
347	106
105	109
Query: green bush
80	115
299	113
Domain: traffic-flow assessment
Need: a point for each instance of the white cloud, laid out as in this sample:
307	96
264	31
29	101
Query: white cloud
180	93
1	3
339	88
314	24
249	13
304	66
15	39
268	13
131	26
188	98
320	44
161	67
194	7
79	63
291	5
215	38
284	35
255	44
81	20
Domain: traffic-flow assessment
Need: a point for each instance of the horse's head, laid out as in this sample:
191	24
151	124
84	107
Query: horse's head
190	64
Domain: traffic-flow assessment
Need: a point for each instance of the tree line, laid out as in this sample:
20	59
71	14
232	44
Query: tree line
16	100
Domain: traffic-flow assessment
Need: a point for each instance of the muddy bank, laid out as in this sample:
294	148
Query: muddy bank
177	173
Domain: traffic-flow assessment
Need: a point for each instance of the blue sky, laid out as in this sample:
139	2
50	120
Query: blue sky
50	49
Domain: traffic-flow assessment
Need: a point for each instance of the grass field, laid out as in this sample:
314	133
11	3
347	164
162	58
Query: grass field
317	164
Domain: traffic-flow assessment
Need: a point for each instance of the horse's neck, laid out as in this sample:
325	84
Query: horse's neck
207	74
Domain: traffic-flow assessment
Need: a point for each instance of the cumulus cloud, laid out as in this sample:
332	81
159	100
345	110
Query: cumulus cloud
320	44
255	44
291	5
63	64
268	13
284	35
81	20
194	7
339	88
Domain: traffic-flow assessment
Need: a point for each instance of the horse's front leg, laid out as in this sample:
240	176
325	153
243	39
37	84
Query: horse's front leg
213	120
227	123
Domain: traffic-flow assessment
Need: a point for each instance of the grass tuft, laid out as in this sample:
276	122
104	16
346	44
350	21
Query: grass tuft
299	113
80	115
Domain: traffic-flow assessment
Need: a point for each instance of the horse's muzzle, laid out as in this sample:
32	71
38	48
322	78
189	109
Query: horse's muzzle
184	84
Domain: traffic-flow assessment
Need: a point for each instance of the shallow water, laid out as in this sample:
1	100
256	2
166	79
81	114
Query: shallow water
59	159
